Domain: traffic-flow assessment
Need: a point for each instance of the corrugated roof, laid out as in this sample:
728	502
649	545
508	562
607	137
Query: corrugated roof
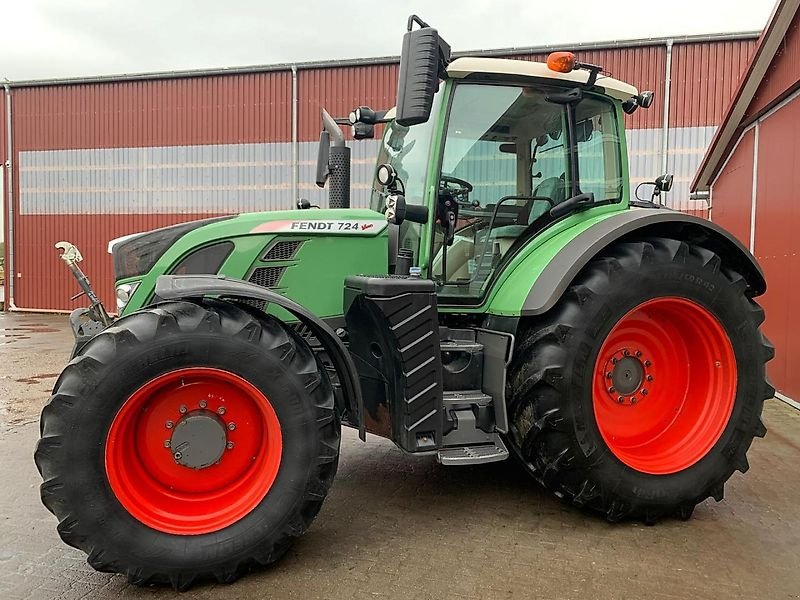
734	120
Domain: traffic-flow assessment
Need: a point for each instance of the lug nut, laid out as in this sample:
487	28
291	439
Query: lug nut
182	409
638	353
177	456
221	410
620	399
169	424
231	426
608	375
644	392
614	360
633	400
626	352
167	443
647	363
611	390
203	403
229	445
649	378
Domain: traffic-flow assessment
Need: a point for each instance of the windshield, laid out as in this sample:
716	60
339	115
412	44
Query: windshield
506	162
407	149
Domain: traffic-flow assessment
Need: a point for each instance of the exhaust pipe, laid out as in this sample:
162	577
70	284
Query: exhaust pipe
335	161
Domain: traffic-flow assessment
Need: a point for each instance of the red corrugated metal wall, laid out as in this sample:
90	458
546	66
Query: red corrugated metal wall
733	191
706	75
3	185
777	222
251	108
203	110
783	74
340	90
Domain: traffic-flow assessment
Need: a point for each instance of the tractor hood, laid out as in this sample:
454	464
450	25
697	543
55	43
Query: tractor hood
294	252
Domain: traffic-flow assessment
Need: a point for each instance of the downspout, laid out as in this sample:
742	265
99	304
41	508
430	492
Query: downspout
295	145
9	202
667	92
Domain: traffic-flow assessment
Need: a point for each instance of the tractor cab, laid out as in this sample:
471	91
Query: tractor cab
503	150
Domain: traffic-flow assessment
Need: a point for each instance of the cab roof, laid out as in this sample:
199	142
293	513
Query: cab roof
469	65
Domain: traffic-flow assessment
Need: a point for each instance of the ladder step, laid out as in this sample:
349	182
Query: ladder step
466	398
474	455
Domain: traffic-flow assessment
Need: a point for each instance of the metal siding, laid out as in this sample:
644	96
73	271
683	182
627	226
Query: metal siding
3	190
234	109
783	74
687	146
339	90
168	179
777	222
704	78
43	281
733	190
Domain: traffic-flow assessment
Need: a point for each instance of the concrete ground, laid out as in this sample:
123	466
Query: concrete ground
401	527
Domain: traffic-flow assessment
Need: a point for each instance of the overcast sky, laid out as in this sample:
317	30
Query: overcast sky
64	38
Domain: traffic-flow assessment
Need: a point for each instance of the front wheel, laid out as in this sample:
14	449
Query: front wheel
188	441
639	394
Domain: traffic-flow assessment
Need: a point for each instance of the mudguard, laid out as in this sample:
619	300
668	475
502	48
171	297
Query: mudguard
575	254
176	287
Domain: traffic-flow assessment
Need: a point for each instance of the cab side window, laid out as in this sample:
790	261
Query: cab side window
598	141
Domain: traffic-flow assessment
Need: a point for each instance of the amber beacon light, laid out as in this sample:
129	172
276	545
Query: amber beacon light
562	62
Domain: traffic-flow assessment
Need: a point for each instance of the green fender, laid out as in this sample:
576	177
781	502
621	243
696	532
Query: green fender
535	280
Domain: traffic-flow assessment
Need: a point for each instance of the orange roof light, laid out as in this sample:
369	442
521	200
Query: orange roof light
562	62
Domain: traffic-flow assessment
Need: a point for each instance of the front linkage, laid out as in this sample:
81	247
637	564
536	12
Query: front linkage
85	322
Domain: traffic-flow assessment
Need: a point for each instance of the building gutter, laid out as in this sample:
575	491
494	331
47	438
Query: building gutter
295	144
667	93
9	270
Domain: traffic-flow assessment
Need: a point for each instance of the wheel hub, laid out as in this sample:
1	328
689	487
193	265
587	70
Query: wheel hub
628	376
199	440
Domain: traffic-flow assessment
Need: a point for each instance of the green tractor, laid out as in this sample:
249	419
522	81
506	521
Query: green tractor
503	295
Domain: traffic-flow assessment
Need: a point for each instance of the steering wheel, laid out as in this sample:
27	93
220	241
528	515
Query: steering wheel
463	189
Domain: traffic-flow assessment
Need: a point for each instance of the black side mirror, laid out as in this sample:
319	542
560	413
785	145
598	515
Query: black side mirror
664	182
423	61
323	156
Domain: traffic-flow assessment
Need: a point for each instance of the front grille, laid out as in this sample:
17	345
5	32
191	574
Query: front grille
282	250
267	277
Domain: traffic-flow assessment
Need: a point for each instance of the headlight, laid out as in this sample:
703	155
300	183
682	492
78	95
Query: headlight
124	293
136	255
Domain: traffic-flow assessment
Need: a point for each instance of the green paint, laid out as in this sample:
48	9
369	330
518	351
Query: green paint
315	276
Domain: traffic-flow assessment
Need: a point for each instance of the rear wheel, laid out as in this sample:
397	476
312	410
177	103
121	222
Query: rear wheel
188	441
639	394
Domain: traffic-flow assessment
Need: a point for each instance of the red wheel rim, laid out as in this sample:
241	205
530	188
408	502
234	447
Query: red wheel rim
206	412
664	385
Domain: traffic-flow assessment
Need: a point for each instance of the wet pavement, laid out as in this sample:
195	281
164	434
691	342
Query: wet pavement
395	526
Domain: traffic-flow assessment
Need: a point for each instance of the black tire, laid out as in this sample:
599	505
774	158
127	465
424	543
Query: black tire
142	346
553	427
